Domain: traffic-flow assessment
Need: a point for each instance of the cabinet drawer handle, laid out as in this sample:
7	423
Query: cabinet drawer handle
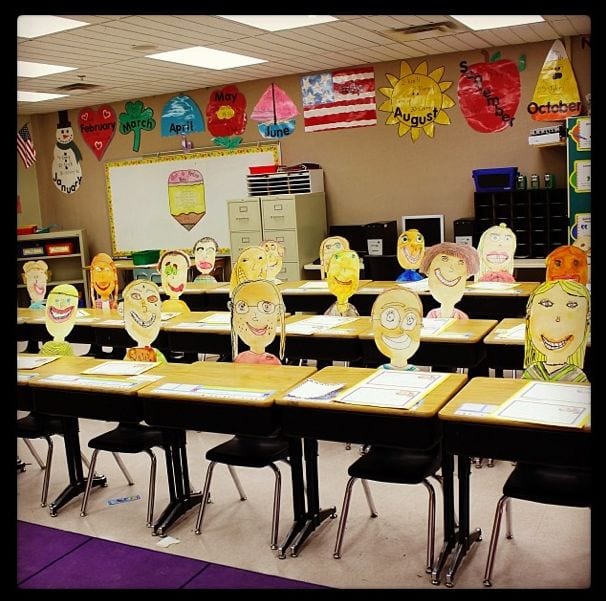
243	209
279	238
245	240
242	218
278	207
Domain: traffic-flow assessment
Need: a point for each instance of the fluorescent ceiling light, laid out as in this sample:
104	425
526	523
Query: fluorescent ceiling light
26	69
479	22
33	26
279	22
36	96
208	58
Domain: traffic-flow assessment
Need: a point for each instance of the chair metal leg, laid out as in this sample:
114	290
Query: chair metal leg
152	488
494	539
508	531
85	460
205	493
234	477
47	471
275	518
431	525
343	519
369	499
122	467
89	482
32	450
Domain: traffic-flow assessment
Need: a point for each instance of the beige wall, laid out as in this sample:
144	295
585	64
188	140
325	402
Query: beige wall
370	173
27	189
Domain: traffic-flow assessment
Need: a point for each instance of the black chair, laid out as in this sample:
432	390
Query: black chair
564	486
248	451
398	466
126	438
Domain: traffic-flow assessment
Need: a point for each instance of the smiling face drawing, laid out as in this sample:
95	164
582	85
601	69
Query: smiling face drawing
275	256
250	266
173	267
328	248
567	263
411	246
497	247
205	253
397	319
104	276
446	278
36	276
61	311
142	311
343	275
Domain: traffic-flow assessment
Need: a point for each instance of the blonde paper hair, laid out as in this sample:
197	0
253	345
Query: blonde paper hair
484	266
323	259
238	272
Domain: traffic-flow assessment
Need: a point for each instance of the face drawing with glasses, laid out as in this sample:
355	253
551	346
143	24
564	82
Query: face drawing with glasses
397	319
173	268
142	311
328	248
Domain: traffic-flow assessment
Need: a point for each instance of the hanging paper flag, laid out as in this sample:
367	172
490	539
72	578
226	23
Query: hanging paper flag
226	116
98	128
275	113
340	99
181	115
556	95
25	147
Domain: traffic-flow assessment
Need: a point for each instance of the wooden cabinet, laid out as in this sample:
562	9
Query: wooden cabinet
539	218
68	267
297	221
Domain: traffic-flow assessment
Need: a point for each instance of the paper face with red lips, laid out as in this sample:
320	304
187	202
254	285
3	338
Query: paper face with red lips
61	311
567	263
173	267
142	311
36	276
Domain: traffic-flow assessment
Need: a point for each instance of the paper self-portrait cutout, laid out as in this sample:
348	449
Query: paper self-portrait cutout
275	257
60	318
411	248
557	328
250	266
257	312
205	254
496	248
397	319
328	247
103	282
36	278
343	279
174	267
566	263
448	265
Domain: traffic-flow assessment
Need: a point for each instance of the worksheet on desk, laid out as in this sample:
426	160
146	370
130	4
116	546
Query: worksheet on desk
33	362
434	325
220	317
317	323
121	368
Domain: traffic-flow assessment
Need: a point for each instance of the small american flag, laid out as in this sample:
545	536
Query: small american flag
339	99
25	147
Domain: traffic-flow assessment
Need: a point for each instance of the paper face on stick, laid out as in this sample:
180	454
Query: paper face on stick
250	266
104	281
61	311
142	311
566	263
275	256
411	247
36	277
205	253
496	248
328	247
343	275
173	267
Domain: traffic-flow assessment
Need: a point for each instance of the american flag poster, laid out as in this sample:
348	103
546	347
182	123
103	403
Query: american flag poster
339	99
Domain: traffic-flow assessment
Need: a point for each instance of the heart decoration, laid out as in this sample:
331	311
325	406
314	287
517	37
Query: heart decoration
97	128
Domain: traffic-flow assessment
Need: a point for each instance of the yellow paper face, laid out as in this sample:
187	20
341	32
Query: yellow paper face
142	311
275	255
497	248
205	253
557	323
446	278
397	319
343	275
256	307
36	277
104	276
411	247
328	247
61	311
250	266
173	268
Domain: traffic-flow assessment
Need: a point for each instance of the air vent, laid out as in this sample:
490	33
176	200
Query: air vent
78	87
424	31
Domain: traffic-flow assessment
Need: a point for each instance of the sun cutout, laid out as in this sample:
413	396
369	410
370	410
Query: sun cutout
416	100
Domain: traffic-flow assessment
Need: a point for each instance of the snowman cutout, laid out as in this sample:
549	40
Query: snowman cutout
67	173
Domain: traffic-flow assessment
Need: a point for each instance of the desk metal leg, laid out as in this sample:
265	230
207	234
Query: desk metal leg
449	517
77	482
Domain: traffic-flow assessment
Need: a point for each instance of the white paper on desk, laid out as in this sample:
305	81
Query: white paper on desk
315	285
418	286
81	313
112	322
317	323
33	362
212	392
220	317
85	319
120	368
20	320
493	285
293	290
145	378
25	377
434	325
371	290
312	389
515	333
71	380
475	409
165	316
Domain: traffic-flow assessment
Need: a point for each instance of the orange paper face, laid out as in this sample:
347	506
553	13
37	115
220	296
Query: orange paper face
567	263
104	276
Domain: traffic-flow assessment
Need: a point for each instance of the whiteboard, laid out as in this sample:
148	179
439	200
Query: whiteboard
138	196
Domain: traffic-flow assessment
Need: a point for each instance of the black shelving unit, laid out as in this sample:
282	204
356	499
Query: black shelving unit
539	218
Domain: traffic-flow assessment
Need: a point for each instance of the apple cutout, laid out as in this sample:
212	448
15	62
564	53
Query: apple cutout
489	94
97	128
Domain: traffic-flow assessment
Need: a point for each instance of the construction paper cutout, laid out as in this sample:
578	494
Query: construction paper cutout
416	100
97	127
275	257
103	282
496	248
60	318
136	118
448	265
174	267
489	94
67	172
257	310
397	320
205	253
275	113
250	266
226	116
556	95
410	250
557	327
36	277
343	279
566	263
328	247
186	197
180	116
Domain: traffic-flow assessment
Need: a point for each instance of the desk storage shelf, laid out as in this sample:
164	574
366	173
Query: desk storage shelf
539	218
287	182
68	268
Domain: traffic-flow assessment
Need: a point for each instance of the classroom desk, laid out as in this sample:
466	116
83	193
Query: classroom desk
458	345
181	411
204	296
467	437
343	422
313	299
508	353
